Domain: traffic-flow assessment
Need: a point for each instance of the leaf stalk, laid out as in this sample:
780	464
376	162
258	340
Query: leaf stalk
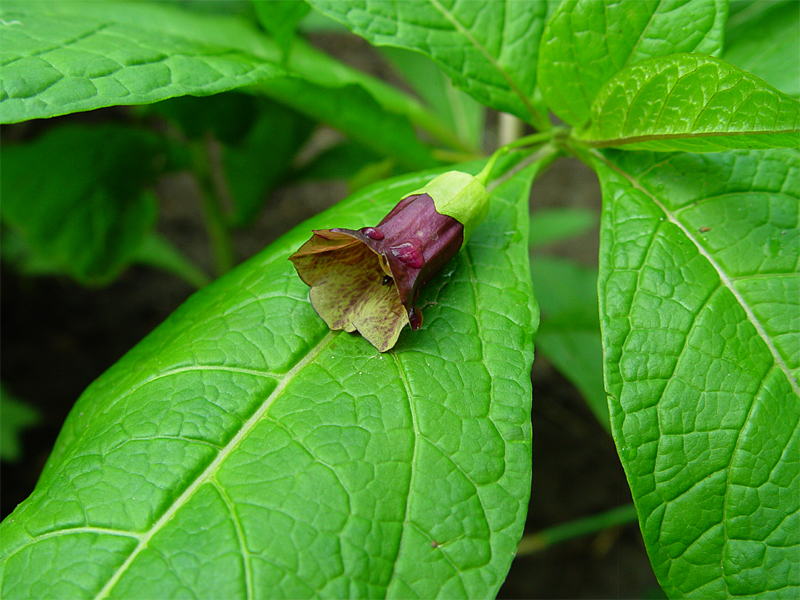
536	542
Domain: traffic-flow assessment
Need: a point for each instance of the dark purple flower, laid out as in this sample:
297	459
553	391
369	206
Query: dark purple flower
369	279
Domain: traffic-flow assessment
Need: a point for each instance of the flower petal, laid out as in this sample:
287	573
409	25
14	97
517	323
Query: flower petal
347	290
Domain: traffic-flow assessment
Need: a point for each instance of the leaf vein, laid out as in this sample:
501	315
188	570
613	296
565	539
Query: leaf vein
723	276
211	469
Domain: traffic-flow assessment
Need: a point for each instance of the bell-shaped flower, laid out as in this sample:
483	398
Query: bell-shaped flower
368	279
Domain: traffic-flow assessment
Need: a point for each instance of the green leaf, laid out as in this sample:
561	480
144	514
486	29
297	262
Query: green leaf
764	39
259	163
16	417
558	224
569	334
280	19
243	450
487	47
158	252
64	57
700	310
587	42
355	112
462	113
78	197
694	103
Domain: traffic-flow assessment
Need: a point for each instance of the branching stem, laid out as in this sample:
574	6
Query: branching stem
535	139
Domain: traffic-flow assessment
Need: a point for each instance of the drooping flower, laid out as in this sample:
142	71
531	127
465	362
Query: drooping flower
368	279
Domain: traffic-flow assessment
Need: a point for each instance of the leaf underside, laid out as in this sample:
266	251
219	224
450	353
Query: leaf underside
243	450
700	307
64	57
487	47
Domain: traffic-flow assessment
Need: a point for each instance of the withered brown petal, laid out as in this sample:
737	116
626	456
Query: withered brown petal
347	290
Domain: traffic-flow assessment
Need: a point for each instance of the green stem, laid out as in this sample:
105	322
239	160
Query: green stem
528	140
536	542
218	233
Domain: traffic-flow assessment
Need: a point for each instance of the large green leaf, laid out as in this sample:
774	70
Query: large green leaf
461	112
569	334
586	42
763	38
243	450
488	47
64	57
695	103
78	197
700	309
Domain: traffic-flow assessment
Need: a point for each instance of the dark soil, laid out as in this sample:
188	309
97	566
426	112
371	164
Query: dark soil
57	337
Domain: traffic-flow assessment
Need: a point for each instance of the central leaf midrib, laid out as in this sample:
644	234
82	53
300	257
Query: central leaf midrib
401	373
211	469
465	32
636	139
725	280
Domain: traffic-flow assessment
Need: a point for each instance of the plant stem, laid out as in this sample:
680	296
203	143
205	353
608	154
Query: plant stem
535	542
218	233
529	140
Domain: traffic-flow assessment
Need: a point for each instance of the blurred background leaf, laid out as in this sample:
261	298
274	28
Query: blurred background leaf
94	208
280	18
569	333
763	38
15	417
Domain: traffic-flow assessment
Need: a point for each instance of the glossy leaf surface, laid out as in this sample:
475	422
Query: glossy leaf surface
586	42
693	103
488	47
700	309
64	57
243	450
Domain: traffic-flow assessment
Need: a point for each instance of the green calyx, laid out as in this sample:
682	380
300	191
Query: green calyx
461	196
